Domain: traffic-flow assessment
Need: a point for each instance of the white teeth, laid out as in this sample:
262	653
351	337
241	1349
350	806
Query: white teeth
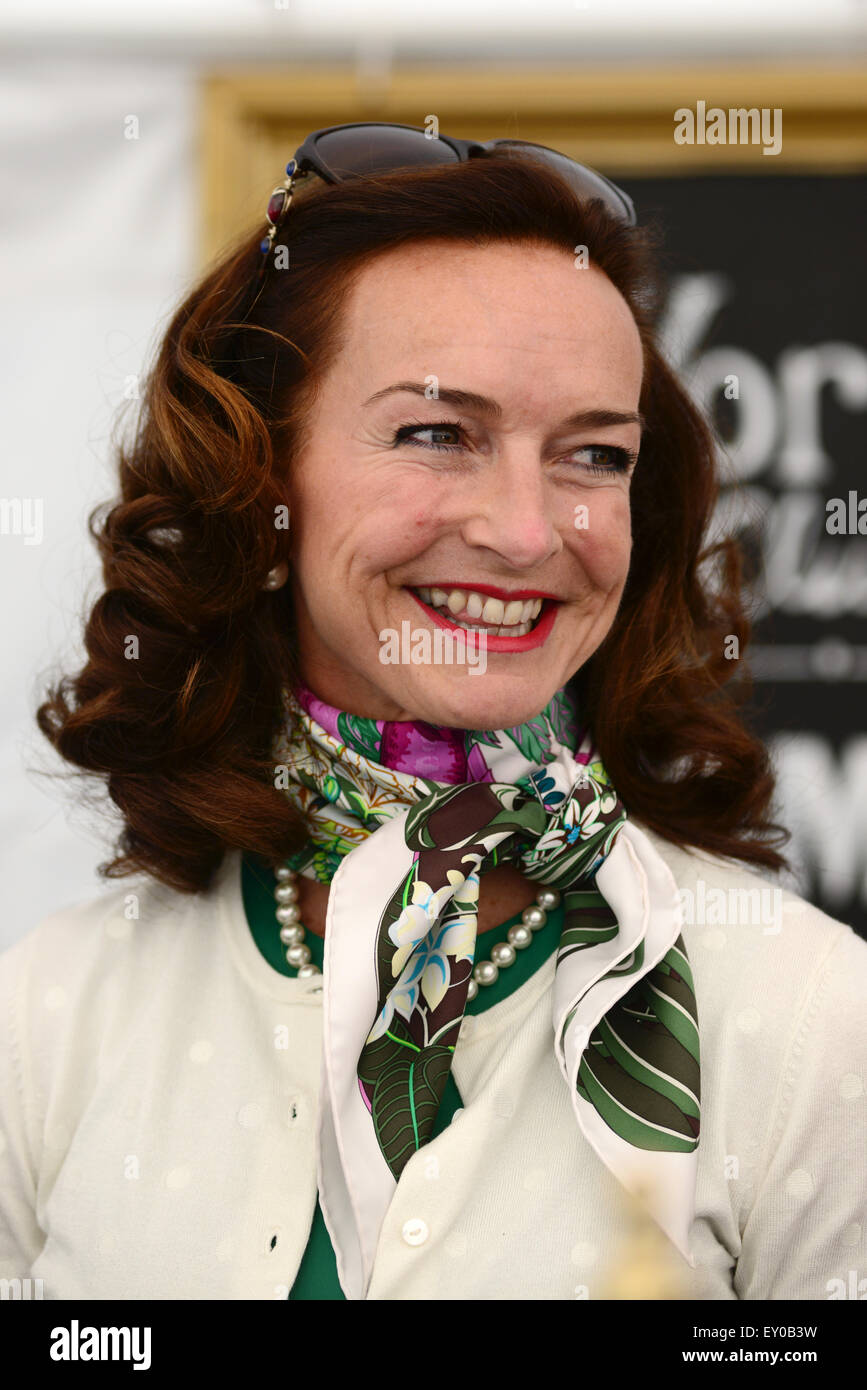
493	610
513	616
513	613
515	630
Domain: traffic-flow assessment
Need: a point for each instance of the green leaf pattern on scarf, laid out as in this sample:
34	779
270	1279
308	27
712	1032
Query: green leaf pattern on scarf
361	734
640	1068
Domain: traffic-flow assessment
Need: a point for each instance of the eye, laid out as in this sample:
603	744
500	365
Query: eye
614	458
405	432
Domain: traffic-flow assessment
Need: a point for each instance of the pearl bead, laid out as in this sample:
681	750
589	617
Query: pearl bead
276	578
534	917
486	972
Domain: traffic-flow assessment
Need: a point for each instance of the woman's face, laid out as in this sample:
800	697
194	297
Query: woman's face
519	496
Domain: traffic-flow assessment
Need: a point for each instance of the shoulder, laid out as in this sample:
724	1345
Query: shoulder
97	981
780	989
763	957
124	934
92	1000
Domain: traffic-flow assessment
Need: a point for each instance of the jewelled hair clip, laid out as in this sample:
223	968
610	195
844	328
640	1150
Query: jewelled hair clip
278	206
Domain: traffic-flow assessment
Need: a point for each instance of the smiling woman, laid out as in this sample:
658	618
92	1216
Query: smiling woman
299	1039
491	495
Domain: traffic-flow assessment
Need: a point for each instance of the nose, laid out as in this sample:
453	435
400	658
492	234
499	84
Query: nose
511	510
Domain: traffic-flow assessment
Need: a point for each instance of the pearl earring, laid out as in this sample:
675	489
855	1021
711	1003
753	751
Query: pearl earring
277	576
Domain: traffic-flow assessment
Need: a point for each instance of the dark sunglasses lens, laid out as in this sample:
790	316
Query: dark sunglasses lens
587	183
372	149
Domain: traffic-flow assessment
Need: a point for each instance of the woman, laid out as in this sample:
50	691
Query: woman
436	952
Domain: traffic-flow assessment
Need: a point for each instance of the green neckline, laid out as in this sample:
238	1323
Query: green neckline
257	887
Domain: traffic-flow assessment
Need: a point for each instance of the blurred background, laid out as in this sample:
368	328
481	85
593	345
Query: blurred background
136	141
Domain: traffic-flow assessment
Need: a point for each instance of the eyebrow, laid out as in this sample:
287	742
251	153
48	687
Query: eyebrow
485	405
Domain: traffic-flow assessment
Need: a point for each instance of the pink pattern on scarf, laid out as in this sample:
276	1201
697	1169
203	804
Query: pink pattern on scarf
410	745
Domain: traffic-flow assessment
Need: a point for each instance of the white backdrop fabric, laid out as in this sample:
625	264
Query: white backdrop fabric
96	232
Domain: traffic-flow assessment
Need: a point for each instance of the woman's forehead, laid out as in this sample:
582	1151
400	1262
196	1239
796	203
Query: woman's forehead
525	306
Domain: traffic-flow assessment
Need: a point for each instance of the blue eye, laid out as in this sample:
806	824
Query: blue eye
618	460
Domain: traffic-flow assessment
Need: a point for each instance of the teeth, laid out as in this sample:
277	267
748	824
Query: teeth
514	630
513	612
513	617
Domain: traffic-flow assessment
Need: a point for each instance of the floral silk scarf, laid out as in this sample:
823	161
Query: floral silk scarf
406	818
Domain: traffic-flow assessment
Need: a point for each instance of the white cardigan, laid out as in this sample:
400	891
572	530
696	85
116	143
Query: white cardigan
158	1135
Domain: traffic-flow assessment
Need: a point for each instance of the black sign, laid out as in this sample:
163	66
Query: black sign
765	321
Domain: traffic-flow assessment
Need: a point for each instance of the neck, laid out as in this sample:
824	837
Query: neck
507	891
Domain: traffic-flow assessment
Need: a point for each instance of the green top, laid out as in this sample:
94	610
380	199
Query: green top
317	1275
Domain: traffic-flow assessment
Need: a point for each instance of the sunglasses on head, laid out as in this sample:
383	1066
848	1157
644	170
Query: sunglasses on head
340	152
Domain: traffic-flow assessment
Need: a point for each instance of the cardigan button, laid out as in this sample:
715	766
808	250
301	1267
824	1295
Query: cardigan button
415	1231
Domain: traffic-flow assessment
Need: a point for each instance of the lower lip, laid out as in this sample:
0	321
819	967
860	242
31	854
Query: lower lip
534	638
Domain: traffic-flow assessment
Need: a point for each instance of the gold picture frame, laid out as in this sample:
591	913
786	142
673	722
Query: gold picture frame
618	119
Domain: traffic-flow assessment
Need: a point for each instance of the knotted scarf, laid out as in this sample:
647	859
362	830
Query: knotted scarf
405	819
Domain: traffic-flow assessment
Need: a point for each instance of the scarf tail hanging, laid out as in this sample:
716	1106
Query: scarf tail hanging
611	1029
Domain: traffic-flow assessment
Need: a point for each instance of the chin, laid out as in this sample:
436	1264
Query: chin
480	702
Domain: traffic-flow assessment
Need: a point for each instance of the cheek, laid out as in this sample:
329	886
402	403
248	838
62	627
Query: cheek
602	544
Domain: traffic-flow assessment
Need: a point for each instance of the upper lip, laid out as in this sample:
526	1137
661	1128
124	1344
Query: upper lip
491	589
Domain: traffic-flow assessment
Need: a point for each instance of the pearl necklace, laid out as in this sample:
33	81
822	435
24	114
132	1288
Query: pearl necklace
486	972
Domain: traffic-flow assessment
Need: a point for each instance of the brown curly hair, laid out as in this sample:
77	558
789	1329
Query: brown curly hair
183	732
